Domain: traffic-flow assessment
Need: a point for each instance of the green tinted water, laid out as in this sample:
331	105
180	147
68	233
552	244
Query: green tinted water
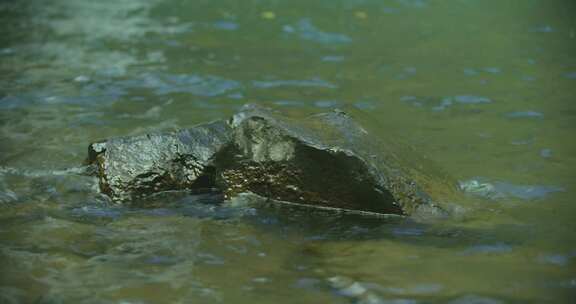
487	89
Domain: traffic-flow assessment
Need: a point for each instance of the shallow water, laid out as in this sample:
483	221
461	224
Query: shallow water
484	88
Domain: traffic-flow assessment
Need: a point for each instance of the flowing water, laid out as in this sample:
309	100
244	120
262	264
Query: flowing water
485	88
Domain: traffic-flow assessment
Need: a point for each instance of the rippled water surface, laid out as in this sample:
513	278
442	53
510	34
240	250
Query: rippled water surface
487	89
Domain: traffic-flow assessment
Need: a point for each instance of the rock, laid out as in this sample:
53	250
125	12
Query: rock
325	160
129	167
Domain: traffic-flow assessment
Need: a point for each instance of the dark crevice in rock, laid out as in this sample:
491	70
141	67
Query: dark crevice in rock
313	177
205	181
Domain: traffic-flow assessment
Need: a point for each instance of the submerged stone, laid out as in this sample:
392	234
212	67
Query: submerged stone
325	160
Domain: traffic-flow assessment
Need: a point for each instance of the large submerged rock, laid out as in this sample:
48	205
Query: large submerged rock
325	160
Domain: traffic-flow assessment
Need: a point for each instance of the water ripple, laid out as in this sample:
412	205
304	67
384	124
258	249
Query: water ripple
525	114
314	82
306	30
199	85
441	104
499	189
571	75
497	248
475	299
226	25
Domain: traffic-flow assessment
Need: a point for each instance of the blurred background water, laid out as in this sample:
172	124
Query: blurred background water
486	88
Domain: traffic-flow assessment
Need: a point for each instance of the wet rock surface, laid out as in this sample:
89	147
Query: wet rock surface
325	160
129	167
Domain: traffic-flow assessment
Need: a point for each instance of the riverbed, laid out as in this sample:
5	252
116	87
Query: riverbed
484	89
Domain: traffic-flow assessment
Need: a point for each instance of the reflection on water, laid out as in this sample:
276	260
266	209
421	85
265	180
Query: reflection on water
485	88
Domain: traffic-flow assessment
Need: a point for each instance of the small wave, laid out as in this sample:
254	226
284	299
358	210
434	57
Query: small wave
82	170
